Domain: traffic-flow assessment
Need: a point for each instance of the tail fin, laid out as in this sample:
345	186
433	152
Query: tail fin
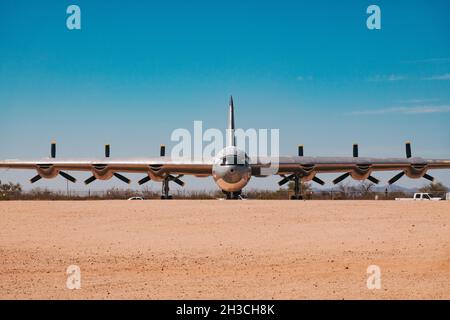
230	130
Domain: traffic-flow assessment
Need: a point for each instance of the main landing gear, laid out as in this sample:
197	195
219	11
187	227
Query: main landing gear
297	188
296	178
165	186
165	190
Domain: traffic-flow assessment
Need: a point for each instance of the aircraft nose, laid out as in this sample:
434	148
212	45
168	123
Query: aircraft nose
233	175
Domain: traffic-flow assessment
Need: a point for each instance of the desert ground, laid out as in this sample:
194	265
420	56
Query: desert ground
224	249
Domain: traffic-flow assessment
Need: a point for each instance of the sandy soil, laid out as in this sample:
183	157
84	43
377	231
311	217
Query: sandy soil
225	249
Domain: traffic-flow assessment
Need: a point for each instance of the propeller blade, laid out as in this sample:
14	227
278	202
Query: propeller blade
341	177
428	177
176	180
300	150
373	179
285	180
355	150
107	150
121	177
90	180
67	176
35	178
396	177
408	149
144	180
53	150
162	150
319	181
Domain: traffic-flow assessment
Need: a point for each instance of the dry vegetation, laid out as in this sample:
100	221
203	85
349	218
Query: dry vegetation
361	191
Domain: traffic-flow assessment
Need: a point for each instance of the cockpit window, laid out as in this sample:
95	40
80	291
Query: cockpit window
234	160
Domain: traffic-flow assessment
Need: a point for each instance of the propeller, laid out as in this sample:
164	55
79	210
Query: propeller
341	177
121	177
162	153
144	180
396	177
170	177
355	150
319	181
373	179
176	179
347	174
291	177
90	180
117	175
61	173
107	150
401	174
53	150
67	176
408	149
285	179
35	178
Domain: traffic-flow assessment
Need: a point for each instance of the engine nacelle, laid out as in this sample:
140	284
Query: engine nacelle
416	171
361	172
47	171
231	170
101	172
157	173
307	172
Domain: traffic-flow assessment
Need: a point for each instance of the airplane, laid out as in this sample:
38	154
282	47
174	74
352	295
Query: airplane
231	168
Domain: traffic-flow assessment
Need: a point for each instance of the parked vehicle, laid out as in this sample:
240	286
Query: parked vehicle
136	198
419	196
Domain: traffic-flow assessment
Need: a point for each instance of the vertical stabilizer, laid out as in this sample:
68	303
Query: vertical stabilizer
230	129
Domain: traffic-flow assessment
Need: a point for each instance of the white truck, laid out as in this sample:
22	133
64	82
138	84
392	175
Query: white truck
420	196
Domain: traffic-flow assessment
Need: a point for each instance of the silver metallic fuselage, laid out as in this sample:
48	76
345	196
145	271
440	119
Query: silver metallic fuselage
231	169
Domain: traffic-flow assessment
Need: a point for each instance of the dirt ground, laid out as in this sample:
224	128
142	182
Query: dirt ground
225	249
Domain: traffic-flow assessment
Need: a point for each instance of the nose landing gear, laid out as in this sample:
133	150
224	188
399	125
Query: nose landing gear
233	195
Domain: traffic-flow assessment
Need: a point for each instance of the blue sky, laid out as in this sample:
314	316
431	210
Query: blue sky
136	71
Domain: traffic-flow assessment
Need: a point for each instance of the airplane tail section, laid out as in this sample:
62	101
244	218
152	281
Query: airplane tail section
230	129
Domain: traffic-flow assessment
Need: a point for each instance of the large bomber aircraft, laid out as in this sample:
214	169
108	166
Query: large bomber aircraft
231	169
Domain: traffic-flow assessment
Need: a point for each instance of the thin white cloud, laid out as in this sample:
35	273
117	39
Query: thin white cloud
404	110
420	100
394	77
439	77
430	60
390	77
302	78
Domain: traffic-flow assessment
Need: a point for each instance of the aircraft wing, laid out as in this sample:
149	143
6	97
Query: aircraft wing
133	165
104	168
343	164
357	167
285	164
